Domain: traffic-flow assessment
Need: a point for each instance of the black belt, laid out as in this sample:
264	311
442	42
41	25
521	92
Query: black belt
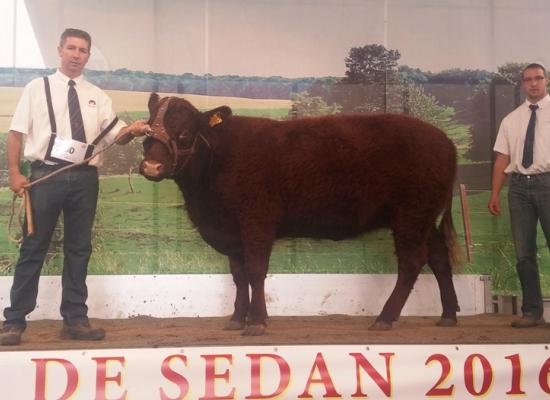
42	165
530	176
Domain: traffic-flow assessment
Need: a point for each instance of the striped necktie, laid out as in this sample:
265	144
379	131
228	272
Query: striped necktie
530	138
77	125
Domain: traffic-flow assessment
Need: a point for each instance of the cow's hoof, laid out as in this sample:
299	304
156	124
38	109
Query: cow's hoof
254	330
446	322
380	326
233	326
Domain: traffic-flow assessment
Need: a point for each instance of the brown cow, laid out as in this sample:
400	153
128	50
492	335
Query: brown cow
248	181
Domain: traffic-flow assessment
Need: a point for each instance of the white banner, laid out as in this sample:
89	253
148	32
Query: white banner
280	372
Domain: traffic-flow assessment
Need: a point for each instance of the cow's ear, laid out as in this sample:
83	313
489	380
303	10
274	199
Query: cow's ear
153	102
217	115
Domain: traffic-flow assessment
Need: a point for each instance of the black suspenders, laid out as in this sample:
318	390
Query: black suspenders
54	125
50	107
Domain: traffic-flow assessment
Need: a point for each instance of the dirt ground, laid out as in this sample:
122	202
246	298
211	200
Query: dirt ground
147	332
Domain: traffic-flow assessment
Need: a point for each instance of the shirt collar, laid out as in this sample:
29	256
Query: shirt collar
542	103
65	79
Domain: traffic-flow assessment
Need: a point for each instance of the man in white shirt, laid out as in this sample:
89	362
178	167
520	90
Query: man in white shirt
81	114
522	152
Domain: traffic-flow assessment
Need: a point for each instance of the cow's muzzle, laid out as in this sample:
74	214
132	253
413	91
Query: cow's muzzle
152	170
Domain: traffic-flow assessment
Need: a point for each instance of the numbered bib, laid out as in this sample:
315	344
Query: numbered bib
67	150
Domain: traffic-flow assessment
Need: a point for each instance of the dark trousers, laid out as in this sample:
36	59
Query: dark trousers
529	202
73	192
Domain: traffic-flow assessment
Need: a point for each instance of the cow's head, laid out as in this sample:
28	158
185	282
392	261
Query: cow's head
176	128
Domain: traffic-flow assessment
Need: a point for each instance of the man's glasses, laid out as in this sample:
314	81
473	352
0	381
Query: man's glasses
533	79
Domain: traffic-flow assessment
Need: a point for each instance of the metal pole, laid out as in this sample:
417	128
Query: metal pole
206	45
517	95
386	47
386	24
14	37
492	119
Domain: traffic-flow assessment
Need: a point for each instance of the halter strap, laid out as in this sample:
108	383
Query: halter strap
158	132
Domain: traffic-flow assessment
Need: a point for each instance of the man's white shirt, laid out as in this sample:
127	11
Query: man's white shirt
32	119
511	137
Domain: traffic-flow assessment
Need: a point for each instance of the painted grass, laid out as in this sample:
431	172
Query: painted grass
147	232
151	228
493	250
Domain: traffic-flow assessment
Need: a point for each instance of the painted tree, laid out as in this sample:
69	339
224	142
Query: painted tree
426	107
511	72
372	63
304	105
371	82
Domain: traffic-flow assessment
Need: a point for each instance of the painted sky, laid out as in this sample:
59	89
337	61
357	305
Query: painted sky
292	38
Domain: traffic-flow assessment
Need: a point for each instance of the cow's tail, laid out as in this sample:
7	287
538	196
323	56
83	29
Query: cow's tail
447	230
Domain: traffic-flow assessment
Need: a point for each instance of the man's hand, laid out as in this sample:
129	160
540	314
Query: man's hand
494	205
18	182
497	181
15	147
139	128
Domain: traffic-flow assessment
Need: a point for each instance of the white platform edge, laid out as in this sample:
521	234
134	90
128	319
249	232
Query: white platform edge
161	296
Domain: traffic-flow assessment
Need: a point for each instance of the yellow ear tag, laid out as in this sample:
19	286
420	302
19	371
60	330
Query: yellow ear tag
215	120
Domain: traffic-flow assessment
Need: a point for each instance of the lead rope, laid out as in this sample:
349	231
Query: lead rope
26	204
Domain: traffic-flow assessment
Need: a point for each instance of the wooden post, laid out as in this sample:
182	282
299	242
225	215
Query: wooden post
466	222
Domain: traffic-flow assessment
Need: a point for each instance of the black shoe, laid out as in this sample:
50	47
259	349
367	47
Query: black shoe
10	335
81	331
528	321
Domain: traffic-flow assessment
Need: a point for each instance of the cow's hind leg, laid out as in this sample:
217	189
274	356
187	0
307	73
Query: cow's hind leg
256	263
412	254
258	311
439	263
257	234
242	299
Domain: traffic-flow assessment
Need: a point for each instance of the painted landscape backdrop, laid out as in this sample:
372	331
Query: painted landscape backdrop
142	228
453	63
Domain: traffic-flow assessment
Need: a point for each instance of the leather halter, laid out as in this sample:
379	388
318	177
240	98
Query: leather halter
158	132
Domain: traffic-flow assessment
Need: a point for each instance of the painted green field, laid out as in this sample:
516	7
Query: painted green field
493	251
143	228
146	231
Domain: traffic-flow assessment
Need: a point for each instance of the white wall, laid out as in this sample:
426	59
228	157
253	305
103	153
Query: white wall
124	296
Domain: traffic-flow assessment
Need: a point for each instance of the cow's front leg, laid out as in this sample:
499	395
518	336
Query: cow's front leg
242	299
